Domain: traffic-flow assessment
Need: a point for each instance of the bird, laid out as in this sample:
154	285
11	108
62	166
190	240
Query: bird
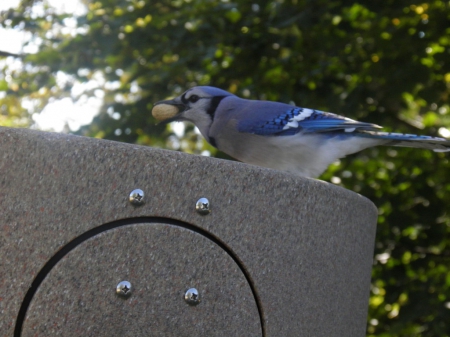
277	135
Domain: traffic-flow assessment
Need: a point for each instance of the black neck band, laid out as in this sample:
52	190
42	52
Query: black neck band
214	104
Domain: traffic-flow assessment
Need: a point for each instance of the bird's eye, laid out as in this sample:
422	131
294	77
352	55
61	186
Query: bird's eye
193	98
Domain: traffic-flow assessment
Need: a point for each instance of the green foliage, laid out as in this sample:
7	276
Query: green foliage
382	62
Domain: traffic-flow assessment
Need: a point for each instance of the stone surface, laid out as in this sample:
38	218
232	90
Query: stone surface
161	262
306	245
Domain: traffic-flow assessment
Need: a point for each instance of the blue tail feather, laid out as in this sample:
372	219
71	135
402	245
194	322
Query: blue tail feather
409	140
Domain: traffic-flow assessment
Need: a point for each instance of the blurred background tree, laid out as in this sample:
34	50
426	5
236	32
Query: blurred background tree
382	62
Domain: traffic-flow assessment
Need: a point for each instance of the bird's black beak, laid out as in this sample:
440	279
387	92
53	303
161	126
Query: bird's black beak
169	110
174	102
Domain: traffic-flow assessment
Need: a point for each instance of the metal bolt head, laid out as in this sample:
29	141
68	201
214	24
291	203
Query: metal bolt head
192	297
202	206
137	197
124	289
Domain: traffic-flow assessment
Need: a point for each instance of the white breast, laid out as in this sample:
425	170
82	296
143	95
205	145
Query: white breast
304	154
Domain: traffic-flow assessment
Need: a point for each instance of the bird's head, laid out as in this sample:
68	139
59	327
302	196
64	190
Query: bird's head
197	105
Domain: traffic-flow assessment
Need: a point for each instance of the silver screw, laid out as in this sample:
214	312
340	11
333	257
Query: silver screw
137	197
124	289
192	297
202	206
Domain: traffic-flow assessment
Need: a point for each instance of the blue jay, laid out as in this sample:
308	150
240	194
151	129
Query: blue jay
280	136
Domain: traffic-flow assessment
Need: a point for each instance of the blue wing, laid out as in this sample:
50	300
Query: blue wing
296	119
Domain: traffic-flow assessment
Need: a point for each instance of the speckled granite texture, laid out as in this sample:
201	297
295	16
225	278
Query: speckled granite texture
161	262
306	246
